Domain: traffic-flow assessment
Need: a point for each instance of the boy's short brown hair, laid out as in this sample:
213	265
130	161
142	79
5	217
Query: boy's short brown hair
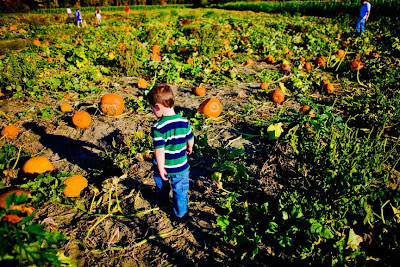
161	94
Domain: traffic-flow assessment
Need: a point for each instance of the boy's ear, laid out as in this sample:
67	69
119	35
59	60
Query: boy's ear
157	107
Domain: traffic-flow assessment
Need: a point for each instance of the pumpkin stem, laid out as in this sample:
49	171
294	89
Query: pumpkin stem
341	60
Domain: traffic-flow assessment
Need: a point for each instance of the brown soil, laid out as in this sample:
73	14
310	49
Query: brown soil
113	241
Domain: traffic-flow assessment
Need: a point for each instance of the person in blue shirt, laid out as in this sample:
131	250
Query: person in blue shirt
79	18
363	17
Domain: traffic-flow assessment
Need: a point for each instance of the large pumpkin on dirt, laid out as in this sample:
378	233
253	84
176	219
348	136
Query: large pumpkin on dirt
75	185
37	165
81	119
277	96
112	104
210	107
10	131
142	83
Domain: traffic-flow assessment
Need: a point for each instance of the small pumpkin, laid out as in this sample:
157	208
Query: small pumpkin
356	65
285	67
66	107
340	53
338	35
210	107
189	61
10	131
81	119
23	208
156	49
302	59
200	90
226	42
156	57
304	109
142	83
308	66
38	165
36	42
230	53
249	62
112	104
74	185
277	96
321	61
270	59
50	59
329	88
264	86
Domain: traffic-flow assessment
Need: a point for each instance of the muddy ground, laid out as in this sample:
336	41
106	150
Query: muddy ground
115	241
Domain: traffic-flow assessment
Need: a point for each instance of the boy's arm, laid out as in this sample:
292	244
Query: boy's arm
160	159
189	146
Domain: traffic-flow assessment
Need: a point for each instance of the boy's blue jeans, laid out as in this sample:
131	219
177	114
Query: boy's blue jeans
360	26
180	186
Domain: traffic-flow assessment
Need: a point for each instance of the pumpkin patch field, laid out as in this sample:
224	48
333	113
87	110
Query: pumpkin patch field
296	124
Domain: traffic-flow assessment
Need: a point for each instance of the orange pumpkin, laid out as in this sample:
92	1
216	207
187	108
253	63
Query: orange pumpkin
277	96
304	108
338	35
10	131
285	67
112	104
189	61
75	185
329	87
156	57
264	86
200	91
142	83
249	62
302	59
226	42
308	66
24	207
81	119
356	65
340	53
156	49
17	192
270	59
50	59
36	42
66	107
230	53
321	61
38	165
210	107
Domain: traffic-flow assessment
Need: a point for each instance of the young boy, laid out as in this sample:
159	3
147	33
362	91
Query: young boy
79	18
363	17
173	140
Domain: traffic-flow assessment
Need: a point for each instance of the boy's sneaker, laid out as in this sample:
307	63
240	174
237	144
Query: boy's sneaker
182	220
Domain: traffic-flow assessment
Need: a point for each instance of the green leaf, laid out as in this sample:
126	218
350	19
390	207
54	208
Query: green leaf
223	222
326	233
354	240
275	130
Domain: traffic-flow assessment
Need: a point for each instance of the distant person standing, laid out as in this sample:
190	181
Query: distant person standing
363	17
79	18
127	10
98	15
69	12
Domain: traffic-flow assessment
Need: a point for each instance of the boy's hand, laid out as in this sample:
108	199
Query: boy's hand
189	150
163	173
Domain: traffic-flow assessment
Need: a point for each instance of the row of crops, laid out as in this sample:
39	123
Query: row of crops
319	185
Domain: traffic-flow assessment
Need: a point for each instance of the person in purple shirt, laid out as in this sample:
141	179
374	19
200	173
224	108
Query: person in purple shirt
363	17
